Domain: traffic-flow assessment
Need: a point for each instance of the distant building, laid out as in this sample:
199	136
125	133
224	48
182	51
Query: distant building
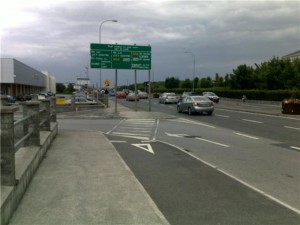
292	56
82	83
18	79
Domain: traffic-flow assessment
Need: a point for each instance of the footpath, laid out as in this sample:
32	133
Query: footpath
84	181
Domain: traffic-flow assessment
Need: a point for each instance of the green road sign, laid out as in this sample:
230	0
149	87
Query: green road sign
133	57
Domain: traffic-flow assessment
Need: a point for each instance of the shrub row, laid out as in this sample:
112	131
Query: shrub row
268	95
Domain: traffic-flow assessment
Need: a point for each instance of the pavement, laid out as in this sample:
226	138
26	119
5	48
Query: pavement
88	183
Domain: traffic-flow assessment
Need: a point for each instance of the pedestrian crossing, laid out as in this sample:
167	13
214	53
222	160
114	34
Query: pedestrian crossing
142	129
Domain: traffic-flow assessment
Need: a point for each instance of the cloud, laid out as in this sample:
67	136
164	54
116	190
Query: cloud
56	36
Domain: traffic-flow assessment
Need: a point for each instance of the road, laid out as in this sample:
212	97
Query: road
257	152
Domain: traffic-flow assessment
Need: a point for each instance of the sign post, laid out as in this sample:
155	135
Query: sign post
132	57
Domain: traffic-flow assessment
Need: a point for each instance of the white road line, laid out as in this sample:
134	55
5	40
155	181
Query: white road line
248	136
295	128
237	179
180	120
115	127
293	147
260	114
261	192
128	134
213	142
112	141
222	116
252	121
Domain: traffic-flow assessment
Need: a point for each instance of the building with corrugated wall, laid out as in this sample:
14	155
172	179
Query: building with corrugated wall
19	79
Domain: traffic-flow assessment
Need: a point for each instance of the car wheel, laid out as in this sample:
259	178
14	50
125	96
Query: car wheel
190	111
178	109
210	113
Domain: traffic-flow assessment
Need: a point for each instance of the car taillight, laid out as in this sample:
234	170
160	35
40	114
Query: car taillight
212	103
196	103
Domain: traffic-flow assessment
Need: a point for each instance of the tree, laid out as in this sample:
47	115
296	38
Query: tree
171	82
206	82
186	84
60	88
242	77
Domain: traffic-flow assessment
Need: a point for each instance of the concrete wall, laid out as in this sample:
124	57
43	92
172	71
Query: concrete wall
27	161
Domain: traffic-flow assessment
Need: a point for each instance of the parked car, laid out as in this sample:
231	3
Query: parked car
142	94
121	94
212	96
112	93
131	97
195	104
167	98
24	97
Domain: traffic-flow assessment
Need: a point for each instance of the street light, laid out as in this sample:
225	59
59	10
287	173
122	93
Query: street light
194	70
100	43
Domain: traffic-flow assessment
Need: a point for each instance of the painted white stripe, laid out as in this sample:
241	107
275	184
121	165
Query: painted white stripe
194	122
213	142
252	121
248	136
261	192
222	116
237	179
115	127
112	141
295	128
134	128
128	134
260	114
293	147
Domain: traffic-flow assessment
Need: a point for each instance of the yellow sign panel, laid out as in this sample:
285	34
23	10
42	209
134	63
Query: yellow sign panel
106	82
60	101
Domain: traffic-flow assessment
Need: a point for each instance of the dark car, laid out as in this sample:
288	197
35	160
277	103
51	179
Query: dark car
24	97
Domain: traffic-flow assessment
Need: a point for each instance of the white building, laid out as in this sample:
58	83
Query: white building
19	79
292	56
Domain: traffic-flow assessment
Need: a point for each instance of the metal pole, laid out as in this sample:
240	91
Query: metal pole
149	90
135	90
194	74
116	83
100	43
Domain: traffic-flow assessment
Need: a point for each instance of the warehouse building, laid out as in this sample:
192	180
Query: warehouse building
20	79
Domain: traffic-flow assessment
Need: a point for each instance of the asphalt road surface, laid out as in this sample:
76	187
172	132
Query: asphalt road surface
188	191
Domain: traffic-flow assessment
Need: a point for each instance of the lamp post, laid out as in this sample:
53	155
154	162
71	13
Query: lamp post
100	43
193	70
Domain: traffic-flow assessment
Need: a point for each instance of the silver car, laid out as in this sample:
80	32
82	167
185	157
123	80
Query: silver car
168	98
195	104
212	96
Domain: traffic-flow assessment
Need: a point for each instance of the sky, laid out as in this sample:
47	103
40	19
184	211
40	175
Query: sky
55	36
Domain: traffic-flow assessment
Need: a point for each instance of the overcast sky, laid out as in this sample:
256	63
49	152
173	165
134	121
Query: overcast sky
55	35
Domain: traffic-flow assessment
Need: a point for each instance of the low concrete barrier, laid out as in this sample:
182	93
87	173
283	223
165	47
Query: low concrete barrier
20	160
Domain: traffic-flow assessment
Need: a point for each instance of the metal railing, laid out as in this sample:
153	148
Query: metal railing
37	116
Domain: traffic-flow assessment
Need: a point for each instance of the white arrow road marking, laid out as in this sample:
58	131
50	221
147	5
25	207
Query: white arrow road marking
176	135
146	147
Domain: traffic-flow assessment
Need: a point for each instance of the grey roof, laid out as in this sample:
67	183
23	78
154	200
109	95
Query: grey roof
297	53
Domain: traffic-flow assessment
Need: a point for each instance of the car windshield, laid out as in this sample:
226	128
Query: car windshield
200	98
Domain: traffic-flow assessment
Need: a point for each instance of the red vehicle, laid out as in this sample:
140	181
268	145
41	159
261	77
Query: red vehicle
121	94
